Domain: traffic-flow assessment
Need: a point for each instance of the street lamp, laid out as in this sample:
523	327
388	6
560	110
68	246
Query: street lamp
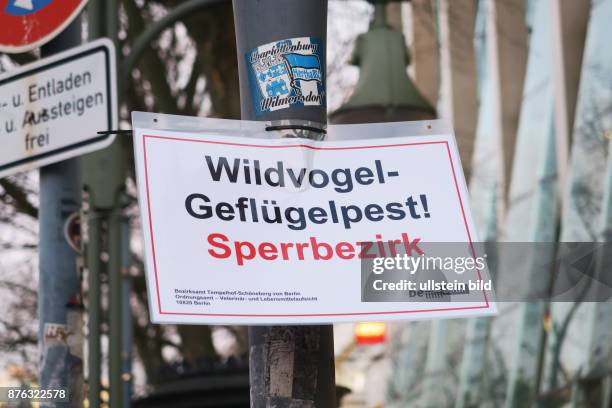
384	92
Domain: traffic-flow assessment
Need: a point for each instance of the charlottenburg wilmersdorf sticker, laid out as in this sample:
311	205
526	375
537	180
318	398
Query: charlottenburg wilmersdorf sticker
286	74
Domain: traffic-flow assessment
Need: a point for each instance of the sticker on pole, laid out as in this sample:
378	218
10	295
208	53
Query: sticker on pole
28	24
242	226
53	109
286	73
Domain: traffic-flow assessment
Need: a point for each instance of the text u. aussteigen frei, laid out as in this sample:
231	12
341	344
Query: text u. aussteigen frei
244	209
42	102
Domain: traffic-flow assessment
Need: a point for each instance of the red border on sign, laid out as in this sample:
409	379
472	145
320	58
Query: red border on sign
467	228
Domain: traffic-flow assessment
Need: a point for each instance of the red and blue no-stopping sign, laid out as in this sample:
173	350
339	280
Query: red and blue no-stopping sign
28	24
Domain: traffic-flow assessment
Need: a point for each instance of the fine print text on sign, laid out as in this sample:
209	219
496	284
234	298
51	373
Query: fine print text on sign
52	109
262	230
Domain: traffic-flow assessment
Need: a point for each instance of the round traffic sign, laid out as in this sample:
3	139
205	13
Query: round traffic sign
28	24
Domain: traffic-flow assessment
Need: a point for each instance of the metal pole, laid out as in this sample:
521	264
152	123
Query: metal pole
115	308
93	309
262	22
95	25
104	175
290	366
126	314
61	363
115	250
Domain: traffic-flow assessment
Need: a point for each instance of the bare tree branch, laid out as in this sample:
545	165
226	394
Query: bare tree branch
18	197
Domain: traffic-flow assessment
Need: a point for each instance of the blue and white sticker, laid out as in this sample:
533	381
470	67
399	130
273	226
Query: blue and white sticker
286	74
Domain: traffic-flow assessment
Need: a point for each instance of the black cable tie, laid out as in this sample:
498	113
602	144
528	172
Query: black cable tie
296	127
268	128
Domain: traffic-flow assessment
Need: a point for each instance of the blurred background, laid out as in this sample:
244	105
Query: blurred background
527	85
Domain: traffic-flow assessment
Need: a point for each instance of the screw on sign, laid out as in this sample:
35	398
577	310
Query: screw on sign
28	24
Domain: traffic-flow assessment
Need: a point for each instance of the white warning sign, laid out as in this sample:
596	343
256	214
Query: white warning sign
254	230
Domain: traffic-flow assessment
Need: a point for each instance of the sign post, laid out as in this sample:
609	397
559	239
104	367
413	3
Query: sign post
59	293
294	364
50	113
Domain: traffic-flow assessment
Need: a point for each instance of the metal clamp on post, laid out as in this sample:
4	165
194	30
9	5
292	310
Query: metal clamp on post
295	128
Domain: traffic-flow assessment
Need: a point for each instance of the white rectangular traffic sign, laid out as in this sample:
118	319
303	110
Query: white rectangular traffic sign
53	109
244	227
